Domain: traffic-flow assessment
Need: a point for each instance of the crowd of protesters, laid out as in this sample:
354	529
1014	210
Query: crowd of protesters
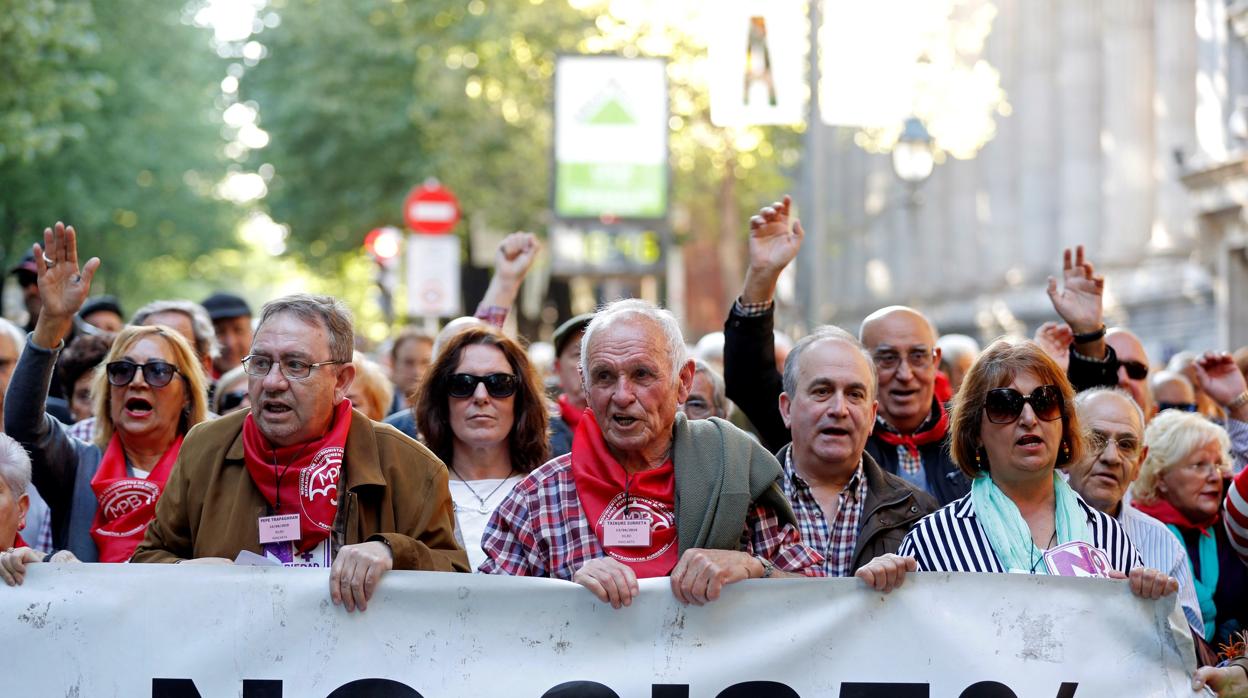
198	434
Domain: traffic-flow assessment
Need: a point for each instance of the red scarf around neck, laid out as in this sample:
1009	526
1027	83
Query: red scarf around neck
1166	513
124	504
302	478
571	415
600	485
932	434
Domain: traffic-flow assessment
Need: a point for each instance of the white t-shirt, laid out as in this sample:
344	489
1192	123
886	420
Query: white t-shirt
471	515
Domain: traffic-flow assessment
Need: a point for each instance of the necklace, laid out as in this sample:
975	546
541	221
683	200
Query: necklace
483	508
1040	558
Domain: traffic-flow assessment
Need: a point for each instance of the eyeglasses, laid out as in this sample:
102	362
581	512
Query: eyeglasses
293	369
156	373
496	384
1004	405
1180	406
231	400
1128	446
1203	469
1136	370
918	358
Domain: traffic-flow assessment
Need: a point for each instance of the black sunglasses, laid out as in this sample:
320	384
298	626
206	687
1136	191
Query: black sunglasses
496	384
1004	405
1180	406
156	373
1136	370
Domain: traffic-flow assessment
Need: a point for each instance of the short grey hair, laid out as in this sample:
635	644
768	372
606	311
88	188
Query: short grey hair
820	334
201	324
15	334
631	308
1086	396
719	393
327	311
14	465
956	346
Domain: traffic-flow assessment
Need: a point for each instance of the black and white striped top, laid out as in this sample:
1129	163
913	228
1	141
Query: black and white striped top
951	539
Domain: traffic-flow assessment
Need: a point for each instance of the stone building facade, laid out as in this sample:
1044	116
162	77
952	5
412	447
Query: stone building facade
1127	136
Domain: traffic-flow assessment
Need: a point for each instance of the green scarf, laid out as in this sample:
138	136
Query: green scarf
1207	582
1008	532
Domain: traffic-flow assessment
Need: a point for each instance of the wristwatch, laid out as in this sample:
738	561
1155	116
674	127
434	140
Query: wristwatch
768	567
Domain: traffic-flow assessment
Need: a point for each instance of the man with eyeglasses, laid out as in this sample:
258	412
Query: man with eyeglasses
1116	450
331	488
911	425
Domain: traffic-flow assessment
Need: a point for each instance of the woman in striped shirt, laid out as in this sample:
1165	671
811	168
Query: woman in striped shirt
1013	424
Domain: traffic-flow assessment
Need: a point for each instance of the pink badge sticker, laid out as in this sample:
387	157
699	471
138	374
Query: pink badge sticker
1077	559
626	533
276	529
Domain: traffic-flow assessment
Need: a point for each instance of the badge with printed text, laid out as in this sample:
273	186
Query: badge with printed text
1077	559
276	529
624	533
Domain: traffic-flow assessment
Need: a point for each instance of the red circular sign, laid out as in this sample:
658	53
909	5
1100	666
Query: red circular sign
431	209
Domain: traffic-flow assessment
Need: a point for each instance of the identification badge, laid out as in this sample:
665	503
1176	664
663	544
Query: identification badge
1077	559
626	533
276	529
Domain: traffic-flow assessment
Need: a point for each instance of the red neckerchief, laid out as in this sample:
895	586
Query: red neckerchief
306	473
932	434
18	542
600	485
125	505
1165	512
943	390
571	415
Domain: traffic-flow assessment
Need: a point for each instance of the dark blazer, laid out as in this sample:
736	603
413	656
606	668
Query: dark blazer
893	506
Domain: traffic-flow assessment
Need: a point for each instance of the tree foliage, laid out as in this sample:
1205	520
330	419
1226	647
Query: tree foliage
115	127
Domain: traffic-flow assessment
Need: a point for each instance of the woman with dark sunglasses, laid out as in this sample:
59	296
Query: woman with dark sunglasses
480	409
149	393
1013	424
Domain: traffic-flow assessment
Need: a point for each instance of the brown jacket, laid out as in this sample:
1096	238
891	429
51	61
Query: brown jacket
396	490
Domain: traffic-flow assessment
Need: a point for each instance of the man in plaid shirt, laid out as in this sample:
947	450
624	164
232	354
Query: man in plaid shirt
848	508
631	499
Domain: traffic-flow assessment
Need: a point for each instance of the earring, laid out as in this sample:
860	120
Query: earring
1065	451
979	463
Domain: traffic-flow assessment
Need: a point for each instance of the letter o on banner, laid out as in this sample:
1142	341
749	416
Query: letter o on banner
374	688
758	689
988	689
580	689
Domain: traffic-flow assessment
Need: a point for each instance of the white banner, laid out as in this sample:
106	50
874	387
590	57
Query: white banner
183	631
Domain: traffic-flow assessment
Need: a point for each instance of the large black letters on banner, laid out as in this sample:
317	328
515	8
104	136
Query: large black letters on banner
758	689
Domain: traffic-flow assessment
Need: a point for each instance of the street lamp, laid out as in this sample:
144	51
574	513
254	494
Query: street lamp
912	156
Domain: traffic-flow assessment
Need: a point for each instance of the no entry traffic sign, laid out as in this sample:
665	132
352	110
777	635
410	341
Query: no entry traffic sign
431	209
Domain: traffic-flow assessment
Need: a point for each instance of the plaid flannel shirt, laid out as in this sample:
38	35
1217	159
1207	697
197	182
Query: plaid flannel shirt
540	530
835	538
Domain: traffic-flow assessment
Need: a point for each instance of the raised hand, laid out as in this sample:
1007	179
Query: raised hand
775	238
1055	339
1079	302
63	287
1220	378
516	254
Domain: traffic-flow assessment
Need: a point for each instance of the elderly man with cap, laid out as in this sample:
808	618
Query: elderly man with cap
646	492
571	400
329	487
231	320
909	438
